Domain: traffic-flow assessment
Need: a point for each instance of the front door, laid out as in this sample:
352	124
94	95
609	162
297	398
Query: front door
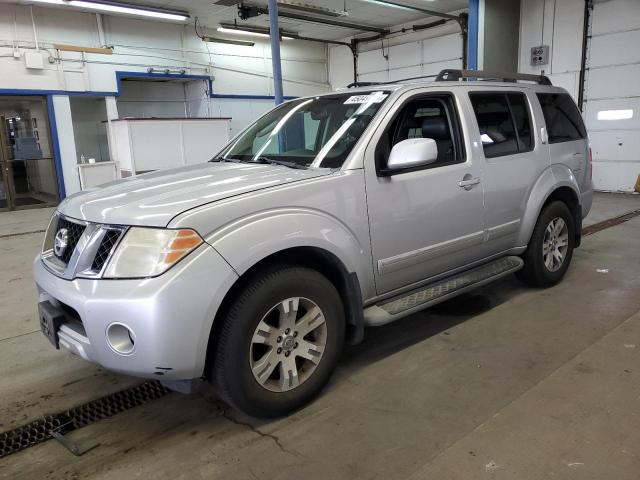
423	222
27	173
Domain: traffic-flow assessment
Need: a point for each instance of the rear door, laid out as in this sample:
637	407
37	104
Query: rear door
506	128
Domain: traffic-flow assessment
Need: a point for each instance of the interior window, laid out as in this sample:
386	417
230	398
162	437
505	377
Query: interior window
563	119
426	117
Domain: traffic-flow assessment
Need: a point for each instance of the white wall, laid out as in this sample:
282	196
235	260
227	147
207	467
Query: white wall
137	46
559	24
402	55
140	44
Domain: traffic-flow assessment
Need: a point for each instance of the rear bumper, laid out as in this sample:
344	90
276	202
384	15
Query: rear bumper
586	199
170	315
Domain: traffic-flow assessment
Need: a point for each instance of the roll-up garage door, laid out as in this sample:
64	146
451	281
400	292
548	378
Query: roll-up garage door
612	94
413	59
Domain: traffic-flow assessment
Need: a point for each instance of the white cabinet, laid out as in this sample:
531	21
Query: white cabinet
145	144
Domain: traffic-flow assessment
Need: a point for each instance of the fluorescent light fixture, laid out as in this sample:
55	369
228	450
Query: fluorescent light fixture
251	31
625	114
117	7
392	5
227	41
399	6
241	32
309	8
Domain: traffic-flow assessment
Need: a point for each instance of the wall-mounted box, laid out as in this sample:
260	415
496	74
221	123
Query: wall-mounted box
539	55
34	60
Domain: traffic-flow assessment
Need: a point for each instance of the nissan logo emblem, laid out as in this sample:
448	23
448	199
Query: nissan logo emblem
60	242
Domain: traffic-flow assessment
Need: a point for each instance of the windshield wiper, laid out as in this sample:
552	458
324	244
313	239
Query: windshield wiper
273	161
223	159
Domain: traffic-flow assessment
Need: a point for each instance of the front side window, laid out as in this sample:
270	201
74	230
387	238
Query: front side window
504	123
431	116
563	119
310	132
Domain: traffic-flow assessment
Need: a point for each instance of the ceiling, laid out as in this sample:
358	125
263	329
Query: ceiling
359	11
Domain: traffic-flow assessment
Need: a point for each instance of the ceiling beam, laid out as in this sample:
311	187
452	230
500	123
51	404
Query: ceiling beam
418	9
327	21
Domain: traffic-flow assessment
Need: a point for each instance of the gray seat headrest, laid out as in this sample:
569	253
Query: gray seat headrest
436	128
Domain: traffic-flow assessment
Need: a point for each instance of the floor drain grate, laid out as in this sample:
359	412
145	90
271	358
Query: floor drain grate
611	222
46	427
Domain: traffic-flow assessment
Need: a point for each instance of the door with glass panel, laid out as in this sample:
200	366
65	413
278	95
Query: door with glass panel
27	172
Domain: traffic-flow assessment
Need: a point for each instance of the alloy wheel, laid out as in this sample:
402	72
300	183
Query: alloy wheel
288	344
555	244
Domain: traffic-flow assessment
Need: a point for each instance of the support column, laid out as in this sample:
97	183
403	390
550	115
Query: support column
112	114
472	40
274	31
66	142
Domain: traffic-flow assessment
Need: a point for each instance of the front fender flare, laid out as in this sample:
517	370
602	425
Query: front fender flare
248	240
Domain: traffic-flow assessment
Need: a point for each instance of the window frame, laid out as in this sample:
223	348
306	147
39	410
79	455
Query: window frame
505	94
582	131
455	127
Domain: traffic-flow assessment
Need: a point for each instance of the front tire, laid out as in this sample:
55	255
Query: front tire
551	247
280	341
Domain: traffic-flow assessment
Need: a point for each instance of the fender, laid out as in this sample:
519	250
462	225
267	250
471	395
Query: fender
248	240
555	176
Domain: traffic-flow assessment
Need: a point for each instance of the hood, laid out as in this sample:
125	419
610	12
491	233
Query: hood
153	199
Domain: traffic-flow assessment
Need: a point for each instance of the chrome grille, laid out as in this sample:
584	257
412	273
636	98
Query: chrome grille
87	250
107	245
73	233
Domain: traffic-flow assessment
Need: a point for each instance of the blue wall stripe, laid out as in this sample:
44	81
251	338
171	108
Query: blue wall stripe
472	42
70	93
248	97
55	146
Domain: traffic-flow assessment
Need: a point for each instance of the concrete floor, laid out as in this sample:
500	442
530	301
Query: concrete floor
505	382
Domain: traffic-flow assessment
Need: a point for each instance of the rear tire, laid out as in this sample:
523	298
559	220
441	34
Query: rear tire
551	247
280	341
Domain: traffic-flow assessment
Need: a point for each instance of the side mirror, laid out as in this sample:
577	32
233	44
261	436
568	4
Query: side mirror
413	152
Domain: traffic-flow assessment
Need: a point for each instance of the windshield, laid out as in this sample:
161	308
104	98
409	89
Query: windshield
310	132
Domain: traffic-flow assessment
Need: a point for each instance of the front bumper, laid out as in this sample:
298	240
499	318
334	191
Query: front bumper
170	315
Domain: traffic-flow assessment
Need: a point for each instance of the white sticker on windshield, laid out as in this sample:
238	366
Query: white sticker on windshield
375	97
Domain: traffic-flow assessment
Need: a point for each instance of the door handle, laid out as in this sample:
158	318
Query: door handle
578	154
468	183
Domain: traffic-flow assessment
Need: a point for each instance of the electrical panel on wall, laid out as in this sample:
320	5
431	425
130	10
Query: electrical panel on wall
539	55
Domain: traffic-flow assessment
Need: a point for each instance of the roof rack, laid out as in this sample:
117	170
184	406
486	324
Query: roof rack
362	84
456	75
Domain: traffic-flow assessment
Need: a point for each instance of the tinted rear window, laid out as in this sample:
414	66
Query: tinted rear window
563	119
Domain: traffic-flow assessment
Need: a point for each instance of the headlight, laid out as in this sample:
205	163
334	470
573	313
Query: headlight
148	252
47	244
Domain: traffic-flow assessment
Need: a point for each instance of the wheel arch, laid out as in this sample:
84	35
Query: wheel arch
555	183
319	259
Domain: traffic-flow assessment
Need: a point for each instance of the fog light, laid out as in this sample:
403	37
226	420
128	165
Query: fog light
120	338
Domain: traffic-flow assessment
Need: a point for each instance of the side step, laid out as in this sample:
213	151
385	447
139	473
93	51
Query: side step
428	295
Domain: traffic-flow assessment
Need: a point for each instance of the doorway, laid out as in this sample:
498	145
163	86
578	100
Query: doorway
27	171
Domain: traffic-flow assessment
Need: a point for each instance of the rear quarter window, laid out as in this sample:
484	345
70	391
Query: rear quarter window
562	117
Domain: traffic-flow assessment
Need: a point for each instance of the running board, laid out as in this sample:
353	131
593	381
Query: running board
428	295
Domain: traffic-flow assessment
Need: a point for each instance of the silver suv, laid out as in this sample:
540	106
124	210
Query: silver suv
328	214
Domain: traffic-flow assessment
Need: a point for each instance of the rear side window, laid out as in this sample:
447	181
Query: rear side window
563	119
504	123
